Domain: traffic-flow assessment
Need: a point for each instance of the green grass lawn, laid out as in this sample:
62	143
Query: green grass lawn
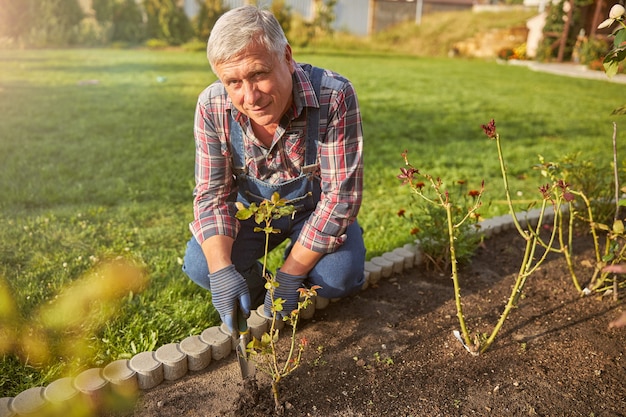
96	162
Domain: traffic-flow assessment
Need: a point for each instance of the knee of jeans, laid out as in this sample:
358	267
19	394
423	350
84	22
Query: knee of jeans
341	284
198	275
196	268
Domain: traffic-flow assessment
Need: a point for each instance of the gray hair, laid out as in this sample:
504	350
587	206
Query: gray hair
239	28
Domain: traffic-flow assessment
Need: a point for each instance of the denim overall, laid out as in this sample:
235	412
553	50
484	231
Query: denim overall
339	273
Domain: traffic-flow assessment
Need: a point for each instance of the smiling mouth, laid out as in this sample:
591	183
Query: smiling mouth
261	109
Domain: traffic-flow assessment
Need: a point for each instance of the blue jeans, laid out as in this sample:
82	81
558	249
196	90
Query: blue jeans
340	273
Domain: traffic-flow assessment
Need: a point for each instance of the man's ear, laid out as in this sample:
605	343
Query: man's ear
289	58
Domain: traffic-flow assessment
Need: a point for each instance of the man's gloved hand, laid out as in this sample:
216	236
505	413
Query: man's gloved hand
228	289
287	290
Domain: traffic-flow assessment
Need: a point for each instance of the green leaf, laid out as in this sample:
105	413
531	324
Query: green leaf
618	227
620	37
608	258
244	214
266	339
610	67
278	304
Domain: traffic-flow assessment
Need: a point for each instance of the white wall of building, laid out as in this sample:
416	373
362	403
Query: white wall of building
350	15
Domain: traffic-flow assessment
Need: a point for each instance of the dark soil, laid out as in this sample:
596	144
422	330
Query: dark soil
390	351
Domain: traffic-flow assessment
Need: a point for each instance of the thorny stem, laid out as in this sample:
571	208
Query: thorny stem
615	172
294	364
536	240
526	269
275	392
443	199
455	278
566	249
511	303
274	363
507	189
616	190
528	265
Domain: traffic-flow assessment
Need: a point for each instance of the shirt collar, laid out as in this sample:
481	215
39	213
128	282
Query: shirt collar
303	93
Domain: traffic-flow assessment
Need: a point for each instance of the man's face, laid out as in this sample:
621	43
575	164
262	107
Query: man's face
259	83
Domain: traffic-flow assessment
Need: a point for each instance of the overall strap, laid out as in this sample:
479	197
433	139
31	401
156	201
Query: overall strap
313	119
236	142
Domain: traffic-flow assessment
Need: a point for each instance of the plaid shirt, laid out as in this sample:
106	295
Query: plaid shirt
339	155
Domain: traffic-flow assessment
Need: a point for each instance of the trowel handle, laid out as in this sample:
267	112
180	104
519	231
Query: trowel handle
241	321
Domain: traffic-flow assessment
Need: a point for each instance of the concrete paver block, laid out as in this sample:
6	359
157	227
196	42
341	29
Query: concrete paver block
29	402
5	407
220	343
174	361
385	264
375	272
397	260
149	370
123	379
198	353
407	255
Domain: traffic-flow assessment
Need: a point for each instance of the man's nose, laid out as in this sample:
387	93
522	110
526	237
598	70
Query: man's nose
251	93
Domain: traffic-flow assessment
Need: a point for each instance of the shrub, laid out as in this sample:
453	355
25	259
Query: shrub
156	44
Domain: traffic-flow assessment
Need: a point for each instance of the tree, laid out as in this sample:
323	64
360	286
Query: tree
325	15
128	24
40	22
15	18
209	12
167	21
283	14
103	10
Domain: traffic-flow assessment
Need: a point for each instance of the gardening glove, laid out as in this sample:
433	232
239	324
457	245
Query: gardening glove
287	290
229	288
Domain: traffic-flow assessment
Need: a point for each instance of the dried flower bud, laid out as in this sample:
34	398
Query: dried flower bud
617	11
490	129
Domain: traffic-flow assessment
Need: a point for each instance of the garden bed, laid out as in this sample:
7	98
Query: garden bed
390	351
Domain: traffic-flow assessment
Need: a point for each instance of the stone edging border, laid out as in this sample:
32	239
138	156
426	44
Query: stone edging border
172	361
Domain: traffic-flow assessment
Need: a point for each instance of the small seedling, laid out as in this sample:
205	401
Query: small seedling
265	352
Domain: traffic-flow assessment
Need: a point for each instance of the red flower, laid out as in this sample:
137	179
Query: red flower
407	175
562	185
474	193
415	231
401	212
490	129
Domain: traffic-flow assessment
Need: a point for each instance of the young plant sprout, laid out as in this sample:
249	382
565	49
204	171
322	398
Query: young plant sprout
265	352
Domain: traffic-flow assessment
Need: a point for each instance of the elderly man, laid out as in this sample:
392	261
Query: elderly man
269	125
